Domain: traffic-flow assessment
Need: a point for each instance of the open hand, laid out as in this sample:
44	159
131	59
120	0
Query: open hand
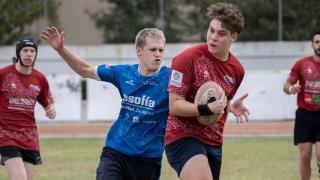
239	110
54	38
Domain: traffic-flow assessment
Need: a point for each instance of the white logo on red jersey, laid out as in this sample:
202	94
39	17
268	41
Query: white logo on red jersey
13	85
34	87
206	73
229	79
176	78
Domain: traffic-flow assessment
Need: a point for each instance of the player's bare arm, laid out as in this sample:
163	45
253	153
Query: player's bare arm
180	107
56	40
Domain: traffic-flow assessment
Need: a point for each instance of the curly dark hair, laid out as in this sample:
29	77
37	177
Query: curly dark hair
229	14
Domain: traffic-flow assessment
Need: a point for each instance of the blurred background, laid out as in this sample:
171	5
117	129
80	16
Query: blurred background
277	33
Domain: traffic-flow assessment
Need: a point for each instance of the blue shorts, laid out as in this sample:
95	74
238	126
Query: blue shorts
30	156
181	150
306	126
115	165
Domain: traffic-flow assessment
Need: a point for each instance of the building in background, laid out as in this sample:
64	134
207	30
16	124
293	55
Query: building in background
75	21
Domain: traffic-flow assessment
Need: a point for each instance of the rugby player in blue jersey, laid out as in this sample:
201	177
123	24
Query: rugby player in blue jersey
134	145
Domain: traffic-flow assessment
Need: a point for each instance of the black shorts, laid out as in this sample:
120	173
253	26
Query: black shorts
30	156
306	126
118	166
181	150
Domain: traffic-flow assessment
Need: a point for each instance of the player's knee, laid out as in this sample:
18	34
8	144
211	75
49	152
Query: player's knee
306	156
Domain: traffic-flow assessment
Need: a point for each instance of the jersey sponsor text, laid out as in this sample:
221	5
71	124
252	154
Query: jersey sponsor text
143	101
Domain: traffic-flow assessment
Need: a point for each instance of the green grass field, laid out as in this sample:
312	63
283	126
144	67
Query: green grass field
244	158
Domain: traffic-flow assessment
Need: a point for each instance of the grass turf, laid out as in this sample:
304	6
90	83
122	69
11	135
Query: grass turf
244	158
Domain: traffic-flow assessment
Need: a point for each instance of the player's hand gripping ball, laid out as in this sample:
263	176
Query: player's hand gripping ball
209	92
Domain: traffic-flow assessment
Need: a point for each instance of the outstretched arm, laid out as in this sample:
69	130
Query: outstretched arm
239	110
56	40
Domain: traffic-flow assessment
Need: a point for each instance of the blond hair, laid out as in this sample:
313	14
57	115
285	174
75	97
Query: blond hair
148	33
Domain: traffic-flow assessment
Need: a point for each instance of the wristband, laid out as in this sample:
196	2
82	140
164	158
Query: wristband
204	110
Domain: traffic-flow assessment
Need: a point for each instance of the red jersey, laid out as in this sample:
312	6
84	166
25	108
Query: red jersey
18	96
189	70
307	71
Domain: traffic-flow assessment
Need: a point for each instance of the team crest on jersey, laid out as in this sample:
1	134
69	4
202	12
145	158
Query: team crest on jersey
176	78
34	87
229	79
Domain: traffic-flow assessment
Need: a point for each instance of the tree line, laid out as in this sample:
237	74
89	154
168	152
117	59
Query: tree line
15	15
184	20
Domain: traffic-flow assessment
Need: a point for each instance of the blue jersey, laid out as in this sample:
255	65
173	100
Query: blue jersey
140	128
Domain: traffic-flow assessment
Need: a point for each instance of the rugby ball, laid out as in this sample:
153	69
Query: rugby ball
208	92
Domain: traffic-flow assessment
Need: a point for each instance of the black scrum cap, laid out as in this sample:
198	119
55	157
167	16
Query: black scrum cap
25	42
